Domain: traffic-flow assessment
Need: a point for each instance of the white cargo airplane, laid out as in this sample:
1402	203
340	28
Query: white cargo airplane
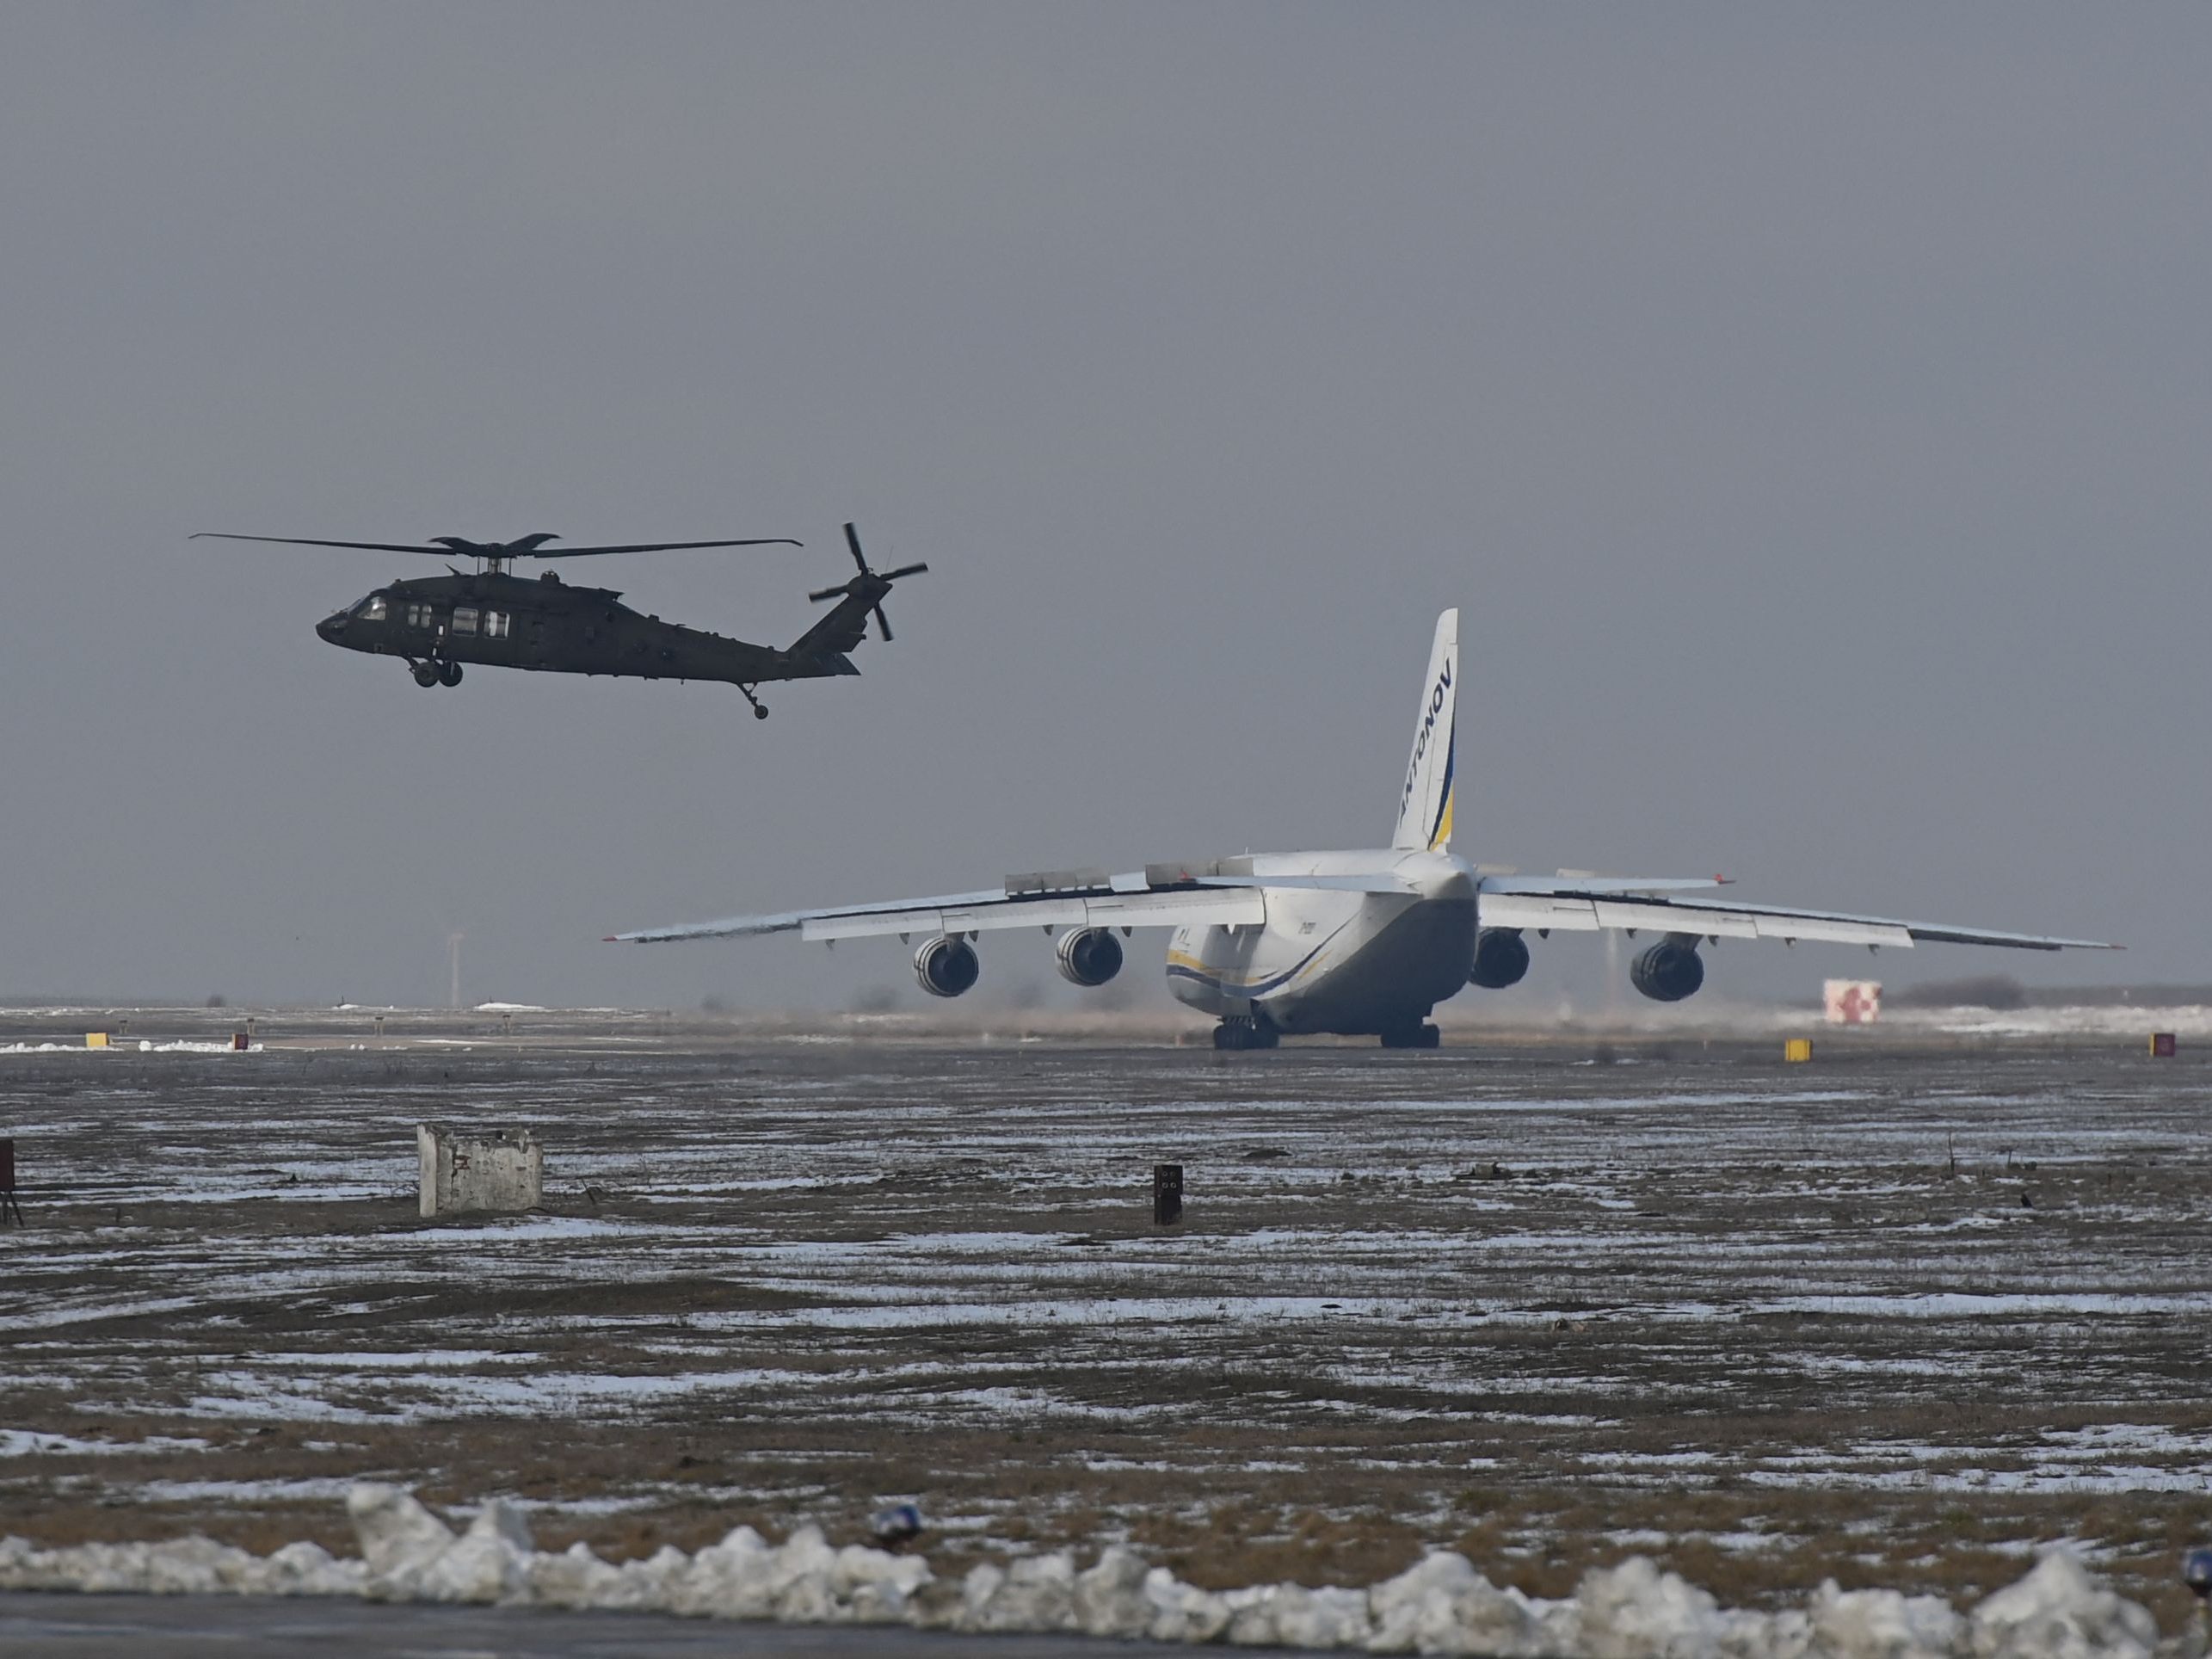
1355	943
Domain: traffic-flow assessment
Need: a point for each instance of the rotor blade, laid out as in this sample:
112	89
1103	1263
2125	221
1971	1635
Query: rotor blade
883	625
499	550
904	570
653	547
308	541
852	540
827	593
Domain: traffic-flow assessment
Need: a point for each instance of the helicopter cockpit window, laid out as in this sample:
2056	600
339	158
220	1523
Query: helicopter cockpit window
371	609
465	617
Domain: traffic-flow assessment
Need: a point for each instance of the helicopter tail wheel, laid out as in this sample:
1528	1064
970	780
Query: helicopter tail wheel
426	674
449	674
760	709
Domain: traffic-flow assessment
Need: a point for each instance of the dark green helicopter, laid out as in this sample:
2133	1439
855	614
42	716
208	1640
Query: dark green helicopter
492	617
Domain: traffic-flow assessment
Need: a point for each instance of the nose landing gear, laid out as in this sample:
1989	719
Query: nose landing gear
1241	1030
1422	1035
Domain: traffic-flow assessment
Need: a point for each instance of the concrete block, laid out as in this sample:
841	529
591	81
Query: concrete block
504	1170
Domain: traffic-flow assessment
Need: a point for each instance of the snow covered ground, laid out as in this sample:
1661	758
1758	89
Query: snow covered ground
1899	1318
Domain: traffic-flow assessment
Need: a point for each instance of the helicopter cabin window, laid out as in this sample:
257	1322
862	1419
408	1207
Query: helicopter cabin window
496	625
464	618
422	616
371	609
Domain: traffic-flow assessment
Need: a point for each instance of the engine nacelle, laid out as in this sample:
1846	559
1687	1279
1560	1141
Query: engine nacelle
1089	956
946	965
1500	958
1669	970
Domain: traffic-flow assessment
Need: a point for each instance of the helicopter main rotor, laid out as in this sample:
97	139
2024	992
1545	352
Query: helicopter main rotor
495	556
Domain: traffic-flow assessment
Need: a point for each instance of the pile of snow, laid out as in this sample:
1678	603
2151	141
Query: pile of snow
1442	1604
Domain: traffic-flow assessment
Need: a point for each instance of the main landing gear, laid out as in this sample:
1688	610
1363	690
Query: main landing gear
431	672
1240	1031
1420	1036
760	709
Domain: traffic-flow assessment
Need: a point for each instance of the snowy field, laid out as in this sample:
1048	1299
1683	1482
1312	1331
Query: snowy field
1899	1318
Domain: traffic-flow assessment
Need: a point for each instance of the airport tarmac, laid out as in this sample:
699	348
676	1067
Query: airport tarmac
66	1626
1897	1317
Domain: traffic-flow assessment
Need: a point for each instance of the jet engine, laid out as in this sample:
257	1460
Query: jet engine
1500	958
946	965
1089	956
1669	970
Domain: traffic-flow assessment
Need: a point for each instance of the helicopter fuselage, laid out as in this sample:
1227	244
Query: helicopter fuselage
545	625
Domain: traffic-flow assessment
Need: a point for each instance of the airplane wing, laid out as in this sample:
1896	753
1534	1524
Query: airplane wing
1545	903
1158	896
1504	881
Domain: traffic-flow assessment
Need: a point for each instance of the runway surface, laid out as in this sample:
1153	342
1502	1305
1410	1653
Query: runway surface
1895	1317
126	1626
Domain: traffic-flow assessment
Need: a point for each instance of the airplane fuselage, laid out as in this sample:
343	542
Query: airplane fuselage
1351	963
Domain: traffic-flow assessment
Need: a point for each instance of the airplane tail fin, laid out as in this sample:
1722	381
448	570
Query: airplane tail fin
1425	805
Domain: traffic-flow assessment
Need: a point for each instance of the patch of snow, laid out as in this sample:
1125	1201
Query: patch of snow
23	1443
143	1046
243	1491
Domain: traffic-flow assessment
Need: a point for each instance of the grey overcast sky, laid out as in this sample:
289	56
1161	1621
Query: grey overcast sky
1807	405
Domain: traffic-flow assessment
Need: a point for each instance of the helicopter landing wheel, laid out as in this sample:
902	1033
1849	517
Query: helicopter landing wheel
759	709
426	674
449	674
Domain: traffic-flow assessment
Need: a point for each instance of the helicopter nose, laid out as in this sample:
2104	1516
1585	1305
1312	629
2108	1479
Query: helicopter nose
331	628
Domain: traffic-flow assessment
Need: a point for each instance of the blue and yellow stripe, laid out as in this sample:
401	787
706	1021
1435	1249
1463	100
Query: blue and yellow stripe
1439	833
1183	966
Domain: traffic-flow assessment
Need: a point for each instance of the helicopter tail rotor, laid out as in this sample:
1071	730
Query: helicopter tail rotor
869	586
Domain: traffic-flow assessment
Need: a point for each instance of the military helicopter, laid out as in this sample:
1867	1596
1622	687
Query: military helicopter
492	617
